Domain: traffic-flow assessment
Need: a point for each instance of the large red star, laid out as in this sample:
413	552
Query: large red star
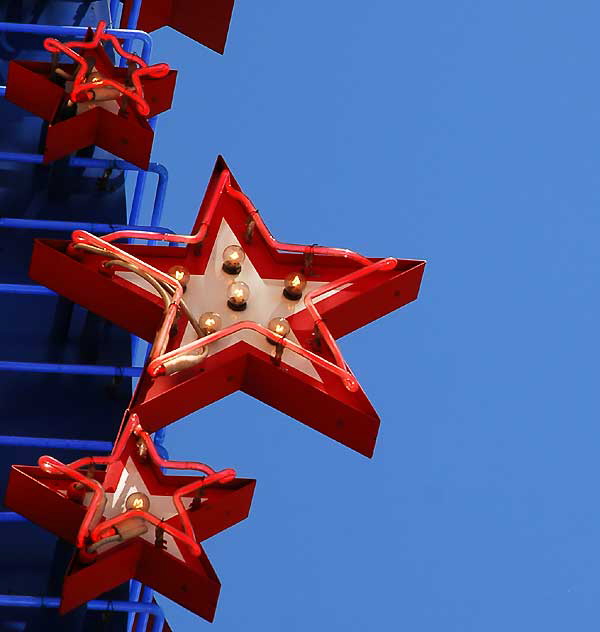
303	373
91	102
206	22
129	520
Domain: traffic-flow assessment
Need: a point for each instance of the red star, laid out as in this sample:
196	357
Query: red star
90	101
206	22
131	520
303	374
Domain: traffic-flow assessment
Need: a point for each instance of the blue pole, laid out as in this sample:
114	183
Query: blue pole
50	224
103	163
71	369
142	622
79	31
11	516
135	589
16	288
114	8
26	601
52	442
138	194
134	14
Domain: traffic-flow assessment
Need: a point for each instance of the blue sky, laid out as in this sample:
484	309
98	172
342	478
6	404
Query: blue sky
464	133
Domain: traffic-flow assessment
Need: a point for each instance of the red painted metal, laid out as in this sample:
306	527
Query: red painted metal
366	289
81	87
43	494
192	583
206	22
126	134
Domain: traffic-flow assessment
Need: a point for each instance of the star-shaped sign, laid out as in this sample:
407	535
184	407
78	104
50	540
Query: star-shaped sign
206	22
264	321
130	520
92	102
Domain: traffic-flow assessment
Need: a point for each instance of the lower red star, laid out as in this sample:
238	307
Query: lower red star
128	520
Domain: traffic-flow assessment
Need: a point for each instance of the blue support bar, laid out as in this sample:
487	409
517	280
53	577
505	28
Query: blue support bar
52	442
11	516
103	163
79	31
142	620
26	601
51	224
71	369
114	10
135	588
17	288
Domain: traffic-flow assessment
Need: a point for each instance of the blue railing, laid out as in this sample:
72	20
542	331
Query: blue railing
140	596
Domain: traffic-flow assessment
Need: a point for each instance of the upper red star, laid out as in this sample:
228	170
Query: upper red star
205	22
302	374
131	520
89	102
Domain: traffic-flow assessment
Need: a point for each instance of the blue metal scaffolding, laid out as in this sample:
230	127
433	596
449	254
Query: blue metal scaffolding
140	597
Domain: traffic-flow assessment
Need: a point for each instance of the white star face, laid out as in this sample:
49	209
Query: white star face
162	507
208	293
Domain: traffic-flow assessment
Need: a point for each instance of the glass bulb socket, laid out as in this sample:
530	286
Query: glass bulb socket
233	257
138	501
181	274
238	294
210	322
280	327
293	286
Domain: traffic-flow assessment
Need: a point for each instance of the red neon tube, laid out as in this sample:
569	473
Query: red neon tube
96	532
224	185
81	87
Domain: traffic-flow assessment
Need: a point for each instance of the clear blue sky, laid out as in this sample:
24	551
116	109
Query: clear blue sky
464	133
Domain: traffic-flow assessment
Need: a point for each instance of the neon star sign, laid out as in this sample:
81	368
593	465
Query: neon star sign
90	101
265	322
81	87
129	520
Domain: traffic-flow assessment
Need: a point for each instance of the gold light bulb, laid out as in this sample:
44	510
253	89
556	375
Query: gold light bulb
237	296
180	274
137	500
233	257
293	286
279	326
210	322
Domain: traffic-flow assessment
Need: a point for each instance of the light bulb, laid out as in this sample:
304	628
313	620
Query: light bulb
233	257
180	274
237	296
137	500
279	326
293	286
209	322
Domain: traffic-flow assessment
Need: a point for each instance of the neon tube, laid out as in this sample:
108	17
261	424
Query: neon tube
156	368
98	531
50	464
81	86
160	343
224	185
